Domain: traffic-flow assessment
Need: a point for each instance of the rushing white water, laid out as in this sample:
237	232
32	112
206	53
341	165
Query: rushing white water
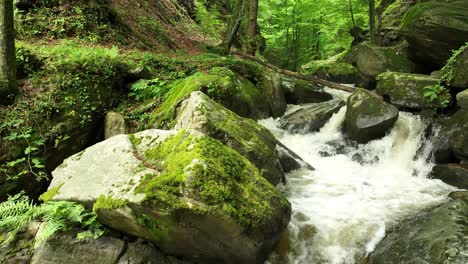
342	210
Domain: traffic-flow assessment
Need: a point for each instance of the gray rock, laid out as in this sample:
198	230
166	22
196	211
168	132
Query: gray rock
404	90
457	68
434	29
372	60
310	117
459	144
273	92
452	174
303	92
114	124
368	117
187	193
244	135
435	237
448	129
462	99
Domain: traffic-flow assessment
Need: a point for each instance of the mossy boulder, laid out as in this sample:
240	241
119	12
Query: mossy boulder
459	144
456	70
438	236
368	117
273	92
221	84
462	99
244	135
299	91
404	90
434	28
185	192
310	117
372	60
450	129
453	174
340	72
114	124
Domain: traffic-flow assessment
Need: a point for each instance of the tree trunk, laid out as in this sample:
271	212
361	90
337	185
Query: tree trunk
372	21
252	27
8	87
234	29
354	30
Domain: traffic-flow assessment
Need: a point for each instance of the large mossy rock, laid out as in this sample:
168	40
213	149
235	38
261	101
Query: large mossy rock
450	136
187	193
453	174
457	68
310	117
462	99
272	89
244	135
368	117
434	29
340	72
303	92
372	60
221	84
438	236
459	143
404	90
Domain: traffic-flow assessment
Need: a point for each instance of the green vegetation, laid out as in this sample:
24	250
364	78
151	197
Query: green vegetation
105	202
18	211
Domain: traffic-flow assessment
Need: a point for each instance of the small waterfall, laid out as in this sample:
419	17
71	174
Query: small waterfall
342	210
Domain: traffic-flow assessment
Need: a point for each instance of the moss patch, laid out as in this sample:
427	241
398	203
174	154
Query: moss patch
50	194
105	202
202	169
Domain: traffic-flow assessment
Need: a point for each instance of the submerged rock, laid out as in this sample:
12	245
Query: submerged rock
404	90
244	135
302	92
310	117
453	174
435	237
114	124
434	28
372	60
368	117
462	99
187	193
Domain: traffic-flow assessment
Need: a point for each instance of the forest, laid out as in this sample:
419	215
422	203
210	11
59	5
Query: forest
233	131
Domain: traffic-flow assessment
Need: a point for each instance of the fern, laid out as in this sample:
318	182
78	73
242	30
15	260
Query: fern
55	216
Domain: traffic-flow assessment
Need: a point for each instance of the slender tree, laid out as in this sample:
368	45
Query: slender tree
252	27
8	87
373	38
234	29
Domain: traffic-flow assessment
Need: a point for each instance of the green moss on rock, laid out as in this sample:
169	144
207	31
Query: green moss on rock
108	203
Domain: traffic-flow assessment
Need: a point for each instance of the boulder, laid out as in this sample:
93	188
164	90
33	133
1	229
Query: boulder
335	71
434	28
273	92
67	248
372	60
462	99
459	143
302	92
368	117
452	174
114	124
438	236
448	130
185	192
457	68
244	135
222	85
404	90
310	117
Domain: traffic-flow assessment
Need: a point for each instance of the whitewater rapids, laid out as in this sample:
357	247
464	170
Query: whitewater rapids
343	209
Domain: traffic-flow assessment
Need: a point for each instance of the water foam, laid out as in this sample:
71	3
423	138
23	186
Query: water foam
342	209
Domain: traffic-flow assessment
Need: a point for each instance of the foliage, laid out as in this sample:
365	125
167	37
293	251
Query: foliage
299	31
57	216
208	19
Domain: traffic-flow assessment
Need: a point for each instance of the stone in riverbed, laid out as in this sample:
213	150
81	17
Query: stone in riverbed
459	144
447	140
181	190
303	92
435	237
368	117
452	174
273	92
244	135
404	90
310	117
114	124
